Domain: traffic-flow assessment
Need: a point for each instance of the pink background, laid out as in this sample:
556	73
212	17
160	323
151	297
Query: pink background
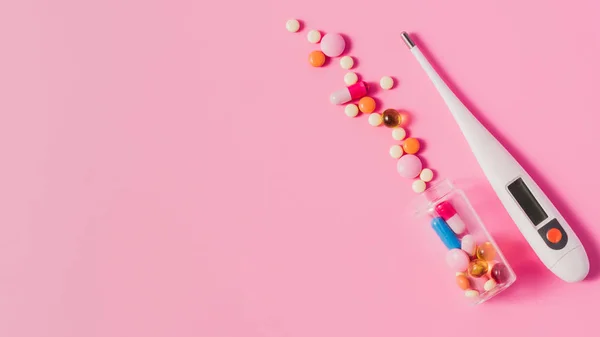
170	169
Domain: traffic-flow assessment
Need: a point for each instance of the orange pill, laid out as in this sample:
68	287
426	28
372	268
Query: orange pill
316	58
411	145
366	105
463	282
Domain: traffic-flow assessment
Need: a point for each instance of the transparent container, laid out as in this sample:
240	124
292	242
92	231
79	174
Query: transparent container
481	270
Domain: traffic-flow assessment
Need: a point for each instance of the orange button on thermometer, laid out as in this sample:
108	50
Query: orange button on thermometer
554	235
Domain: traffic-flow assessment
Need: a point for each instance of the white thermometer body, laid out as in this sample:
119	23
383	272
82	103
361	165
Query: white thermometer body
547	232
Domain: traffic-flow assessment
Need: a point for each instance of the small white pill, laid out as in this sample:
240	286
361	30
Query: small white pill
292	25
418	186
396	151
314	36
347	62
351	110
375	119
386	82
426	175
350	78
398	133
489	285
471	293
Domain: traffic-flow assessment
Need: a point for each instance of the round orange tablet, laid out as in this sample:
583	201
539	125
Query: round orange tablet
366	105
316	58
411	145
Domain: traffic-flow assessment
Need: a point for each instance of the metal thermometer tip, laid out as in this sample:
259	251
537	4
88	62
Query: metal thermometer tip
409	43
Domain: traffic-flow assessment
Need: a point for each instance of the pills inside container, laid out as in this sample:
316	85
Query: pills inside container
475	263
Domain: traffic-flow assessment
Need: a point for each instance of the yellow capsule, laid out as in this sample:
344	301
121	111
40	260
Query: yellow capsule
486	251
477	268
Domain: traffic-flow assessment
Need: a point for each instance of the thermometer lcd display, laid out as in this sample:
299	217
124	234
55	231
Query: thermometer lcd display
527	201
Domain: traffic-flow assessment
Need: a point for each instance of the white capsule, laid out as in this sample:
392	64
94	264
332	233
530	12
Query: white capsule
386	82
426	175
396	151
351	110
347	62
419	186
375	119
292	25
489	285
398	133
468	244
350	78
314	36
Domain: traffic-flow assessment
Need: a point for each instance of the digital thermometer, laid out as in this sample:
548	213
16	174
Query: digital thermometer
539	221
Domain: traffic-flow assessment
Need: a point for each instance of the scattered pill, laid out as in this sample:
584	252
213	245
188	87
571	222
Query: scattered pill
398	133
478	268
292	25
316	58
457	260
419	186
375	119
448	213
313	36
471	293
426	175
367	104
462	281
347	62
350	78
411	145
391	118
444	233
396	151
386	82
468	244
333	45
489	285
409	166
351	110
347	94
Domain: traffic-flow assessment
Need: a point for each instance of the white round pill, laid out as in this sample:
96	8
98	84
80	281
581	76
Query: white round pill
375	119
347	62
351	110
471	293
350	78
489	285
292	25
396	151
398	133
314	36
418	186
386	82
426	175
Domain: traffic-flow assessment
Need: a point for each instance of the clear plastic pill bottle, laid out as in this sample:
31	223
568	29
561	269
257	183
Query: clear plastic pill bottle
475	262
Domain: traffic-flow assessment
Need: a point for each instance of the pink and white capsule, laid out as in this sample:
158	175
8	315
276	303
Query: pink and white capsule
348	94
448	213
